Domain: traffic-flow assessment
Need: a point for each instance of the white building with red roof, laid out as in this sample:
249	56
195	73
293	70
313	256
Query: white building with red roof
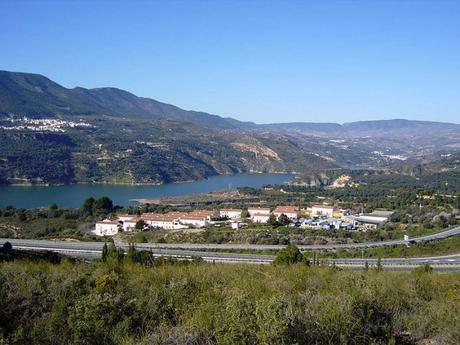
258	210
168	221
129	224
260	217
290	211
231	213
323	210
106	227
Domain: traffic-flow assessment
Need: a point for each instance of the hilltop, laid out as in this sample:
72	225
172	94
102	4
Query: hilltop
34	95
52	134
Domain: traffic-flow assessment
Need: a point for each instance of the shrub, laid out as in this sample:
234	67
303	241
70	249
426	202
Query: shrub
289	255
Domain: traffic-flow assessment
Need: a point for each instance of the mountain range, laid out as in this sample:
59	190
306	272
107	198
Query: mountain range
52	134
34	95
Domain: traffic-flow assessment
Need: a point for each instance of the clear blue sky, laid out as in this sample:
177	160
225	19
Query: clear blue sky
262	61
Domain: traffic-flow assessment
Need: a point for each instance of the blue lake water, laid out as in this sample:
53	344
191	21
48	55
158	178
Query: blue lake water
74	195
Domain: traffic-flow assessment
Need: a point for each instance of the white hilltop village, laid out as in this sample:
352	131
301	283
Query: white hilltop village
41	124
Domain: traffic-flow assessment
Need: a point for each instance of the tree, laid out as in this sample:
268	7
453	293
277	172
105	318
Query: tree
120	254
112	250
379	264
425	268
283	220
245	213
131	255
105	251
7	246
88	206
140	224
103	205
272	220
289	255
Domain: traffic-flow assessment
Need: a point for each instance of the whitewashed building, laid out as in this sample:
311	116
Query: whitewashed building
290	211
125	217
258	210
129	224
168	223
106	227
323	210
198	219
195	221
260	217
230	213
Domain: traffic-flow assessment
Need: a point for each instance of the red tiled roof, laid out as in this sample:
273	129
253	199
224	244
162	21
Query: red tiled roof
286	209
258	208
261	215
164	218
324	206
107	221
133	220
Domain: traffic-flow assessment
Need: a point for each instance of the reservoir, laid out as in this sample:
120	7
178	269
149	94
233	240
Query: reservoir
74	195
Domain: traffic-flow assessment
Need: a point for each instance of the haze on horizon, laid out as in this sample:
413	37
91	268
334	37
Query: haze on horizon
260	61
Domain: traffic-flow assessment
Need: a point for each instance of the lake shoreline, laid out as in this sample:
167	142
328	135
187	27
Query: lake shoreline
29	184
73	195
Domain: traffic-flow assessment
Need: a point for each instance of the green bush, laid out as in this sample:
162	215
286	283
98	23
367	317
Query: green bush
175	302
289	255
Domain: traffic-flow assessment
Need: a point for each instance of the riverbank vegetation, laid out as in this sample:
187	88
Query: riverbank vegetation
123	302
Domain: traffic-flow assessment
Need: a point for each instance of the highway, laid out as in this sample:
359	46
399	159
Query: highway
455	231
90	250
448	262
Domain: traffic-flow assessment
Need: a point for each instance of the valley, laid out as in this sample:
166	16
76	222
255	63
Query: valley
53	135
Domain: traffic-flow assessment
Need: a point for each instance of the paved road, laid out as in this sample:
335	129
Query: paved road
195	246
93	249
448	262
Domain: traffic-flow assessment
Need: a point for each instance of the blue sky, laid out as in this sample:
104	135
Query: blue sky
261	61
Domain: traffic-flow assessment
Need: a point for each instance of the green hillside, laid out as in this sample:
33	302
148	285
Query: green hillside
34	95
52	134
178	303
144	151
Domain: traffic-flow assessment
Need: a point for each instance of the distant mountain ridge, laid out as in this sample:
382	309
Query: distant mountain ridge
357	128
35	95
107	135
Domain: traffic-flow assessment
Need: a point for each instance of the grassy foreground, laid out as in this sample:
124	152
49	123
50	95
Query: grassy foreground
197	303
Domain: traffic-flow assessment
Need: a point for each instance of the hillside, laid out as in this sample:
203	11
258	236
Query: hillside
379	128
34	95
115	150
51	134
168	302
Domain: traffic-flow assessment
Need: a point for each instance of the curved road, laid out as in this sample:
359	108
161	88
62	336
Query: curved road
187	251
455	231
447	262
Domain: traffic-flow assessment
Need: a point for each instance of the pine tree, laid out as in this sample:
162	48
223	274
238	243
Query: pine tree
105	251
131	252
379	264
